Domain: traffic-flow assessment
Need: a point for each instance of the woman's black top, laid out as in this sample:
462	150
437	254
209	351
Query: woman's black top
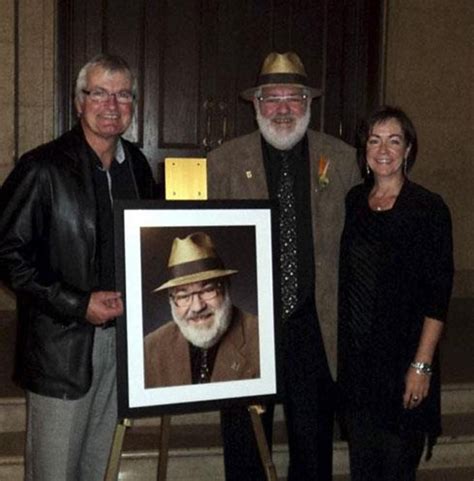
396	269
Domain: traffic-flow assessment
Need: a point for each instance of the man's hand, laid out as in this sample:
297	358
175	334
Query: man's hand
104	306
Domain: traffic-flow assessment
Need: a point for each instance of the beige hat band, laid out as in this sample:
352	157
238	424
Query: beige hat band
194	267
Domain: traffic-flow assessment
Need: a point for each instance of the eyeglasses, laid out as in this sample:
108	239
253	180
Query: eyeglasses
274	100
207	293
102	96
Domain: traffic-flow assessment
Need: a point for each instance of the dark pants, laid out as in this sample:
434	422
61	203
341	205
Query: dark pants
308	401
377	454
241	457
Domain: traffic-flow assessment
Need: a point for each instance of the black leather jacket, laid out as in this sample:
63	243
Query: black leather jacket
48	256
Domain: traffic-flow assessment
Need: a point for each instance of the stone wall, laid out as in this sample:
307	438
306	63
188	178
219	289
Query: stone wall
26	83
429	73
7	86
26	77
36	72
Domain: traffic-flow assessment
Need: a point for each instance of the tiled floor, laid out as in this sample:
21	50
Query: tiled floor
459	474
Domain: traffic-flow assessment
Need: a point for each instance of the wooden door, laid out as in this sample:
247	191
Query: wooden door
193	57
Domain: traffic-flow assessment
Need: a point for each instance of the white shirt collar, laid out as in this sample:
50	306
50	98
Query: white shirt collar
120	152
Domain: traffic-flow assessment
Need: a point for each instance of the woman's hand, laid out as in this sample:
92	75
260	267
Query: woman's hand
417	382
417	386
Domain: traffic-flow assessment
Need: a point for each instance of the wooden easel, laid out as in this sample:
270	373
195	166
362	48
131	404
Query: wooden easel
186	179
256	411
113	466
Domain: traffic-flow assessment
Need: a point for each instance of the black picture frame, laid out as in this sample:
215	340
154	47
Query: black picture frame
243	232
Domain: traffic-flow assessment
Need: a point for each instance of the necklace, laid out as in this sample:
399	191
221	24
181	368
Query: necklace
383	203
384	200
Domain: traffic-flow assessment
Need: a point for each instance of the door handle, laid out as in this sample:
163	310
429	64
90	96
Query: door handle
223	110
208	106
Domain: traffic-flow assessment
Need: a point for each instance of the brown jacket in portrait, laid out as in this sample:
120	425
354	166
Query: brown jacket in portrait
167	356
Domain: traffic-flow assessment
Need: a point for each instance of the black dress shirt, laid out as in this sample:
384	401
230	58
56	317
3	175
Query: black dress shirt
301	332
117	182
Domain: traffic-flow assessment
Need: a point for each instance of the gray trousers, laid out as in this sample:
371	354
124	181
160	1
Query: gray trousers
71	440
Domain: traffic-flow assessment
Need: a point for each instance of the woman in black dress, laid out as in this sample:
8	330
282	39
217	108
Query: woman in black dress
396	274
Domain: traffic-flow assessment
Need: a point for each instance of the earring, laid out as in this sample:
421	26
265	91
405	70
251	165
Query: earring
367	168
405	167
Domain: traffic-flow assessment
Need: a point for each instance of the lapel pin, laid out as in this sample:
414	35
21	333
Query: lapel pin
235	366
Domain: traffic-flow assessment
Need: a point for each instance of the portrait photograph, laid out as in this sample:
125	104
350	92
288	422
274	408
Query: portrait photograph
198	329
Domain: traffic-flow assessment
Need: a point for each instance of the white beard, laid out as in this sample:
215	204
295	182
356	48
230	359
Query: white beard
205	336
281	140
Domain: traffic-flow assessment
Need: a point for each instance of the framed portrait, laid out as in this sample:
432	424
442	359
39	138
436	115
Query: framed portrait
198	329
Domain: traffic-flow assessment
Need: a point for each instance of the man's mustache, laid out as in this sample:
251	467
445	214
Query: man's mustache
283	117
196	315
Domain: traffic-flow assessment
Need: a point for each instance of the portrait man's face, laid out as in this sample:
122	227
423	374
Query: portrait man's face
202	311
283	115
107	117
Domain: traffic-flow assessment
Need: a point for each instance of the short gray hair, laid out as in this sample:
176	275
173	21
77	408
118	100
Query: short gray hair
111	64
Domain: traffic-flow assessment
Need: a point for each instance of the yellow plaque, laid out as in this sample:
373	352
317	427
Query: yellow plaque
185	178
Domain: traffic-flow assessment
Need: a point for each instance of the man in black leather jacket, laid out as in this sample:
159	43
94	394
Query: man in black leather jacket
57	254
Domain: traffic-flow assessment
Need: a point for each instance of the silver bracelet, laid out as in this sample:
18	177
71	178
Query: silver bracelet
422	368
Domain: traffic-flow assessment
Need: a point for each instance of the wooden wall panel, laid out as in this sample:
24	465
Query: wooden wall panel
148	100
194	57
120	39
179	71
241	55
308	38
332	82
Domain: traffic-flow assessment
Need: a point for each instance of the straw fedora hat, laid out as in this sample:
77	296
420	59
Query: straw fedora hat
193	259
281	69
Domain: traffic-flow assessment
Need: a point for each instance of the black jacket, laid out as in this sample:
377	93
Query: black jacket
48	257
396	269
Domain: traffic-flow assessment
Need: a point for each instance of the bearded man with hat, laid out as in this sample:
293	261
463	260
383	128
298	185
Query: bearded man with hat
209	339
308	173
